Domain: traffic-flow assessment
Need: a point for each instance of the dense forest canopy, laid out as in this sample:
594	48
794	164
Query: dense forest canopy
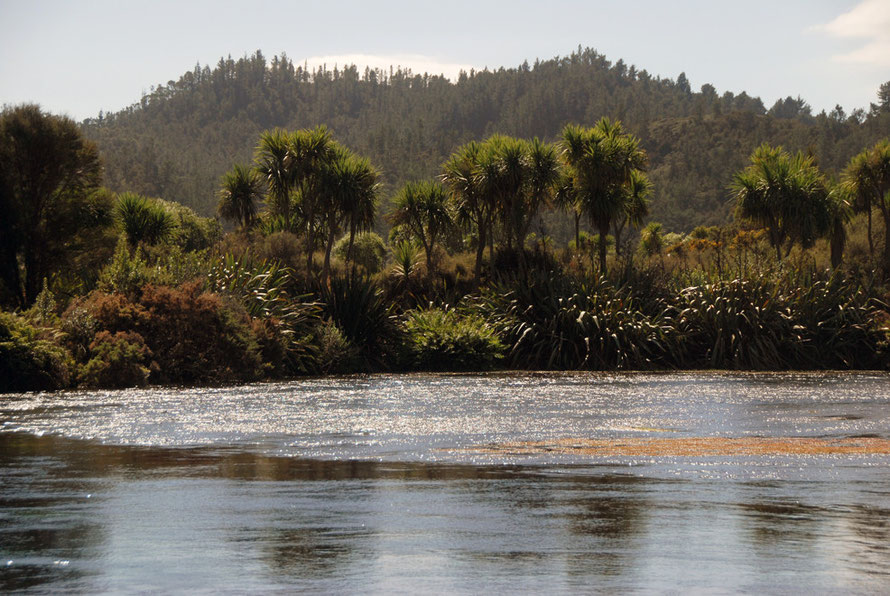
180	138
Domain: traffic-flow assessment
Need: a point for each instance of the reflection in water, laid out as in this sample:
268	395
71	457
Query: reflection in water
37	556
612	524
250	513
43	516
306	552
608	517
783	529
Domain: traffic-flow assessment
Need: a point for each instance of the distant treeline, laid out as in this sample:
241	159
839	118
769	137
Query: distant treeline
179	139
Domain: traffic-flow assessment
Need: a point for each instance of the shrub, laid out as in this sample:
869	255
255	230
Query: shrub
172	266
284	247
273	348
336	354
103	312
28	362
125	274
368	251
262	289
190	232
118	360
587	242
79	328
44	309
195	337
443	340
507	261
357	307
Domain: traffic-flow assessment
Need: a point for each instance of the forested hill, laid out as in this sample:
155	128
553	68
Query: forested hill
179	139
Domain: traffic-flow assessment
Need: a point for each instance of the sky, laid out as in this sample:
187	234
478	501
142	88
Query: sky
78	57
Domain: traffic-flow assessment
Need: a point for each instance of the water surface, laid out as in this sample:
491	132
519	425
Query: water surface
374	484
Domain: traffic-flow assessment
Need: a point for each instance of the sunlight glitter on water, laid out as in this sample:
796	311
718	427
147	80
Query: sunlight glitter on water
528	405
428	417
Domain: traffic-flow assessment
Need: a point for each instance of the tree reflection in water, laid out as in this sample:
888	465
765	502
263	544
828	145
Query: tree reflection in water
229	517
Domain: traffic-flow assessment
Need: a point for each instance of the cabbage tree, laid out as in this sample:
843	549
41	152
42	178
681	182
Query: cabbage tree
423	209
786	194
601	162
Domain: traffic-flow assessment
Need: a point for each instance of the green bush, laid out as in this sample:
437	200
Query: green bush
150	221
170	265
125	274
443	340
79	327
368	251
44	309
118	360
190	232
336	354
29	362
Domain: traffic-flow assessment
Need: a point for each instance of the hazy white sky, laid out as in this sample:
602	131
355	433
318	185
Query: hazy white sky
78	57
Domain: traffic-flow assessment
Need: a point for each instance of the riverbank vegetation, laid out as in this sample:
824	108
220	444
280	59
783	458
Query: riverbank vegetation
105	289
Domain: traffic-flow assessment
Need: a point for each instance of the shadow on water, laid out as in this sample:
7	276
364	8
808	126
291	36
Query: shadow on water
612	524
871	527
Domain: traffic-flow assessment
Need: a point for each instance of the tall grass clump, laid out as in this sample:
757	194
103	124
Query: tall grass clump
441	339
738	324
285	321
561	322
780	324
356	305
844	325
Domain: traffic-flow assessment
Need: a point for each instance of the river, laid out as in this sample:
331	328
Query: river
717	482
